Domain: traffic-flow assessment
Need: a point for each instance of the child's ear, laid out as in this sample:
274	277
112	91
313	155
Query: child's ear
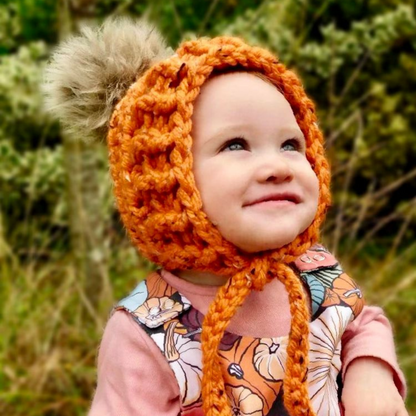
89	73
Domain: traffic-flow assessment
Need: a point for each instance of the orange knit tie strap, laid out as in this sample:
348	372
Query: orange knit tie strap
295	386
222	309
229	298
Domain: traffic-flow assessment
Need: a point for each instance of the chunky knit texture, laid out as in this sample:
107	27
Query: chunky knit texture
151	163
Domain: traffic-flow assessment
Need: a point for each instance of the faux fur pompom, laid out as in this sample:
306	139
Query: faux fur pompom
88	74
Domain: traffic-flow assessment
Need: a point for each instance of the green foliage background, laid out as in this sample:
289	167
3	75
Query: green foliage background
64	258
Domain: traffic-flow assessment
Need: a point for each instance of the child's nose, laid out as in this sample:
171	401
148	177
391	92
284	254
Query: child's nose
274	169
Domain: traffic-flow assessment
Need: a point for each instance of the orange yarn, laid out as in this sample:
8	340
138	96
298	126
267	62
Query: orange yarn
151	164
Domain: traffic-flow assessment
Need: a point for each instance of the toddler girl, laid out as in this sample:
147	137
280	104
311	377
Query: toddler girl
221	180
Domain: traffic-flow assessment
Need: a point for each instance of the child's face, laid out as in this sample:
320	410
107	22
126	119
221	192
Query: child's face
250	167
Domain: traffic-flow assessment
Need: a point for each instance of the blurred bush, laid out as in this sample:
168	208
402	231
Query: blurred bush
64	257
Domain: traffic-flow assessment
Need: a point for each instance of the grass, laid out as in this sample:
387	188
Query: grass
48	345
50	336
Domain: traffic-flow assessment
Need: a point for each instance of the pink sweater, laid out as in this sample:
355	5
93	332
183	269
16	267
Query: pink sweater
134	378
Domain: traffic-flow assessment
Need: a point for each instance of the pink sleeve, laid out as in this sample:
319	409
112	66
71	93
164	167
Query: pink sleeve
134	379
371	335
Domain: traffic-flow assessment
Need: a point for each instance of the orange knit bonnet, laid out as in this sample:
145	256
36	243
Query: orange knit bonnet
151	164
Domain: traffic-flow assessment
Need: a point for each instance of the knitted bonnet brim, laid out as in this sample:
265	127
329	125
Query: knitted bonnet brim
151	160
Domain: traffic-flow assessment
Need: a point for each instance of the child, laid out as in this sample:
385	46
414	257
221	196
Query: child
221	180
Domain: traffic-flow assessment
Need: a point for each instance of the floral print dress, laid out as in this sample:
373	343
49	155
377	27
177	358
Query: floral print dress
253	368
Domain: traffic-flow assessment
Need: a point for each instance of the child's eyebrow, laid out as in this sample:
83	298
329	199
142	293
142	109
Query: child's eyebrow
294	131
228	131
238	129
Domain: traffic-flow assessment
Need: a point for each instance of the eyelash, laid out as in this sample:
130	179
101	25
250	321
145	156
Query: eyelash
236	140
296	143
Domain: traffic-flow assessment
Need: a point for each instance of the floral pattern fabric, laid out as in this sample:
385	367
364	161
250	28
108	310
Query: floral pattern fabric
327	282
253	368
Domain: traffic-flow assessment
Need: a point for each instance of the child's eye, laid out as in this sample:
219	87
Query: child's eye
234	144
292	145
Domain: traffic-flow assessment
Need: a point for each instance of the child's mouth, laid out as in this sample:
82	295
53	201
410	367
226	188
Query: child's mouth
275	200
274	203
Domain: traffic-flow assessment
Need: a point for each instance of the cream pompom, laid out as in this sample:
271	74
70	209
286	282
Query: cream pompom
89	73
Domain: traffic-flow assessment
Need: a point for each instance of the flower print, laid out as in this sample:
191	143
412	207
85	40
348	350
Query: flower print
185	357
171	352
193	320
319	257
316	289
278	408
339	289
270	358
244	402
157	287
240	370
228	341
236	371
349	292
156	311
331	298
137	297
316	257
327	275
305	259
325	361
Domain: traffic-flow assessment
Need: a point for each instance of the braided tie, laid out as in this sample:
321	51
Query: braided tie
222	309
295	387
229	297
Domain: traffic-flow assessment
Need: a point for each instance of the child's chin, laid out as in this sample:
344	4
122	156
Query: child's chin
262	246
